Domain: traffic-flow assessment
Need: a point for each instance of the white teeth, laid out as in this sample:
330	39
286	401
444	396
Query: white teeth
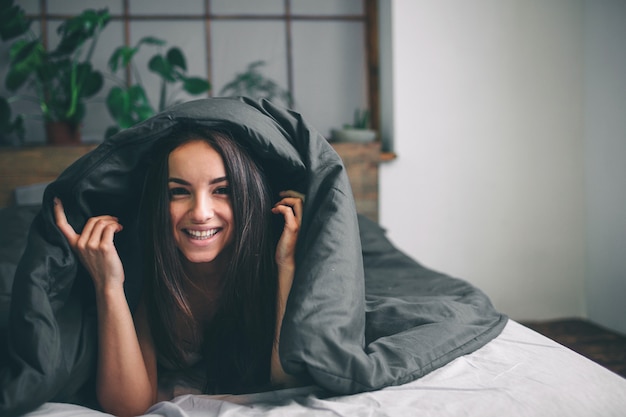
201	234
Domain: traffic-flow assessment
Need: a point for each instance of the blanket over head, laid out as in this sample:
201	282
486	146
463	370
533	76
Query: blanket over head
351	329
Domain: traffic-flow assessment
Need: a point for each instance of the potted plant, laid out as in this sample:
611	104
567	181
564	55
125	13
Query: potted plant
60	79
252	83
357	131
129	104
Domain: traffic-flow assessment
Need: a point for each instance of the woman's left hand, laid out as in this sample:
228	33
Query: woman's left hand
291	208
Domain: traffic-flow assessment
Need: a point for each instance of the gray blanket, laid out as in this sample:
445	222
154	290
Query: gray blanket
361	315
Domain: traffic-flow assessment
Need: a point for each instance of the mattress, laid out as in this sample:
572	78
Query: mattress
519	373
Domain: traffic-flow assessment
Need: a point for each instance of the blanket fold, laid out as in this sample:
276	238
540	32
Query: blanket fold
360	316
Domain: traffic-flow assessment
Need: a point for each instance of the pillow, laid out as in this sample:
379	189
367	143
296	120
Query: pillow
29	194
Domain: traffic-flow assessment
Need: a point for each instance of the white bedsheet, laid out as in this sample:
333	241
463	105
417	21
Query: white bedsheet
520	373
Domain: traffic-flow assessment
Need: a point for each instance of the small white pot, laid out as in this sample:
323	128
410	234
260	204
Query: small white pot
353	135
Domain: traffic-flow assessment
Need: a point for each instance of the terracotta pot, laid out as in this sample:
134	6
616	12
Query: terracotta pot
62	133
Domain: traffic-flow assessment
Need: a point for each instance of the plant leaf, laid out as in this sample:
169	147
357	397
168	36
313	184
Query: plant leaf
196	85
144	113
77	30
176	58
13	21
129	107
24	50
114	60
54	70
137	94
92	84
118	103
15	79
126	121
151	40
159	65
121	57
25	57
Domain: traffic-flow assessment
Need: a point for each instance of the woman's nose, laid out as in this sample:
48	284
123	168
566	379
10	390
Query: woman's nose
202	209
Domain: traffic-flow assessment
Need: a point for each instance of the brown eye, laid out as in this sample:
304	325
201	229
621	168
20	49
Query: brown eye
223	190
177	191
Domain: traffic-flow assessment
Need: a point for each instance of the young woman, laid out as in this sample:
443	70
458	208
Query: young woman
216	280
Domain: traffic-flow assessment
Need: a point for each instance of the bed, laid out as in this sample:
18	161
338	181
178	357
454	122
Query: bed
466	358
520	373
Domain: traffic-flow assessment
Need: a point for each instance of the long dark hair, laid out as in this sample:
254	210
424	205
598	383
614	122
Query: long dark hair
237	345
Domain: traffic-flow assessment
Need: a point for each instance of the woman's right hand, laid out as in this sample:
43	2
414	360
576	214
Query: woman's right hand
126	377
94	247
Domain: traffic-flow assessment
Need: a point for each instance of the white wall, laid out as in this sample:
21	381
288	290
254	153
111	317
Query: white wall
605	155
488	127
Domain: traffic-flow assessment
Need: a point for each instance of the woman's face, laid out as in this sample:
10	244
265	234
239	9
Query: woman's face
200	201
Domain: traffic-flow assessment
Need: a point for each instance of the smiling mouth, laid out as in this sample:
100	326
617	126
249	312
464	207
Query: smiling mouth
201	234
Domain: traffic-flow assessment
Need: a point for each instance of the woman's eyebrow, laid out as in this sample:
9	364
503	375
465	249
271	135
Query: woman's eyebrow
178	181
183	182
219	179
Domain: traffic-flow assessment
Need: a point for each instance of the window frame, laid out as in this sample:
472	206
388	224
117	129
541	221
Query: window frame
369	18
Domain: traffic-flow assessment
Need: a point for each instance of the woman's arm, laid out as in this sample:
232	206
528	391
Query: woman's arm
291	209
126	373
278	375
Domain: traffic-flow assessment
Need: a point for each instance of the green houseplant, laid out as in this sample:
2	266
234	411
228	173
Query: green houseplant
357	131
59	80
128	104
252	83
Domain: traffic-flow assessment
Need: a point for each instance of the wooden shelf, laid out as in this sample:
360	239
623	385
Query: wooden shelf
39	164
361	161
34	164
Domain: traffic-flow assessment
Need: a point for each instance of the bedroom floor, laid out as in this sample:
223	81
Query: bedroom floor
597	343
